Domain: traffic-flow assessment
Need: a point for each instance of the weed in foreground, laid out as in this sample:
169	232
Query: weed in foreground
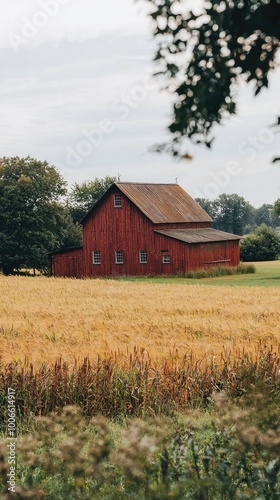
235	455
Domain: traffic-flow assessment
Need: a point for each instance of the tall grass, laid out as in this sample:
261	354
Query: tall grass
131	385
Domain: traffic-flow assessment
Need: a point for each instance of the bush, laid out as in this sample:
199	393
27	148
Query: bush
214	272
263	245
246	269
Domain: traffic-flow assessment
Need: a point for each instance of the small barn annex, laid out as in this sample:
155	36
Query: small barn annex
146	229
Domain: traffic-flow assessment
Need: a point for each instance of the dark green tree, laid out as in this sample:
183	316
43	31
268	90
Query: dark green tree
263	245
277	207
230	212
83	196
32	218
266	215
233	212
208	206
203	59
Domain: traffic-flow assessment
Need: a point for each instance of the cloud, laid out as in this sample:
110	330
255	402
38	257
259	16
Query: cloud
38	21
51	94
91	62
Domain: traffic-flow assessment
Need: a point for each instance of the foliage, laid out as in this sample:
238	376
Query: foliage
267	215
234	453
84	196
120	386
230	212
213	272
234	214
208	206
263	245
69	233
32	219
204	57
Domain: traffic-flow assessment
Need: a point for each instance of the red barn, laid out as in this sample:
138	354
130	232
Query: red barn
146	229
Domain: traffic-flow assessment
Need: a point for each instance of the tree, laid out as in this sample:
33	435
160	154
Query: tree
84	196
208	206
267	215
70	233
32	219
230	212
264	244
277	207
203	58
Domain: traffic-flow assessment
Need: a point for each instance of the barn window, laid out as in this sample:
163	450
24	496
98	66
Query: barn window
166	259
96	257
117	201
143	256
119	257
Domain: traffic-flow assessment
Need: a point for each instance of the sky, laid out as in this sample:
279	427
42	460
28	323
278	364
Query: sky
77	91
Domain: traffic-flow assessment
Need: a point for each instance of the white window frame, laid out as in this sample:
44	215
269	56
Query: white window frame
143	256
166	259
117	201
96	257
118	256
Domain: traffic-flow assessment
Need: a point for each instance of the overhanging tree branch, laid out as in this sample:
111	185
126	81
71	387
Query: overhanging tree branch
202	58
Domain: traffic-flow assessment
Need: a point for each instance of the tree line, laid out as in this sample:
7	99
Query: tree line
234	214
38	214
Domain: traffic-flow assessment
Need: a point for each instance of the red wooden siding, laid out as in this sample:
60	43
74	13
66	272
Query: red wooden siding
181	225
221	253
185	257
111	229
68	264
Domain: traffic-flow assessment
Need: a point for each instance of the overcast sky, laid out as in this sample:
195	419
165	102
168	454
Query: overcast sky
76	90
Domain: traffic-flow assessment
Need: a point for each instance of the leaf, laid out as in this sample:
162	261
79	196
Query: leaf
187	156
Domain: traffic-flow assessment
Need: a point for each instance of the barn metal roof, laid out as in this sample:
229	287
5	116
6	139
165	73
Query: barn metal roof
164	203
199	235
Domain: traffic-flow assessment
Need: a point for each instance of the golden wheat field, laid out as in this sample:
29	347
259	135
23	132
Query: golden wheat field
42	319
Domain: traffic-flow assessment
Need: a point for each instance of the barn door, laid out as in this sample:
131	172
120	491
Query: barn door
76	267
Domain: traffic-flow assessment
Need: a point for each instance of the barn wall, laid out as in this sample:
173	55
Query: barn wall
68	264
110	229
178	252
186	257
181	225
225	253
